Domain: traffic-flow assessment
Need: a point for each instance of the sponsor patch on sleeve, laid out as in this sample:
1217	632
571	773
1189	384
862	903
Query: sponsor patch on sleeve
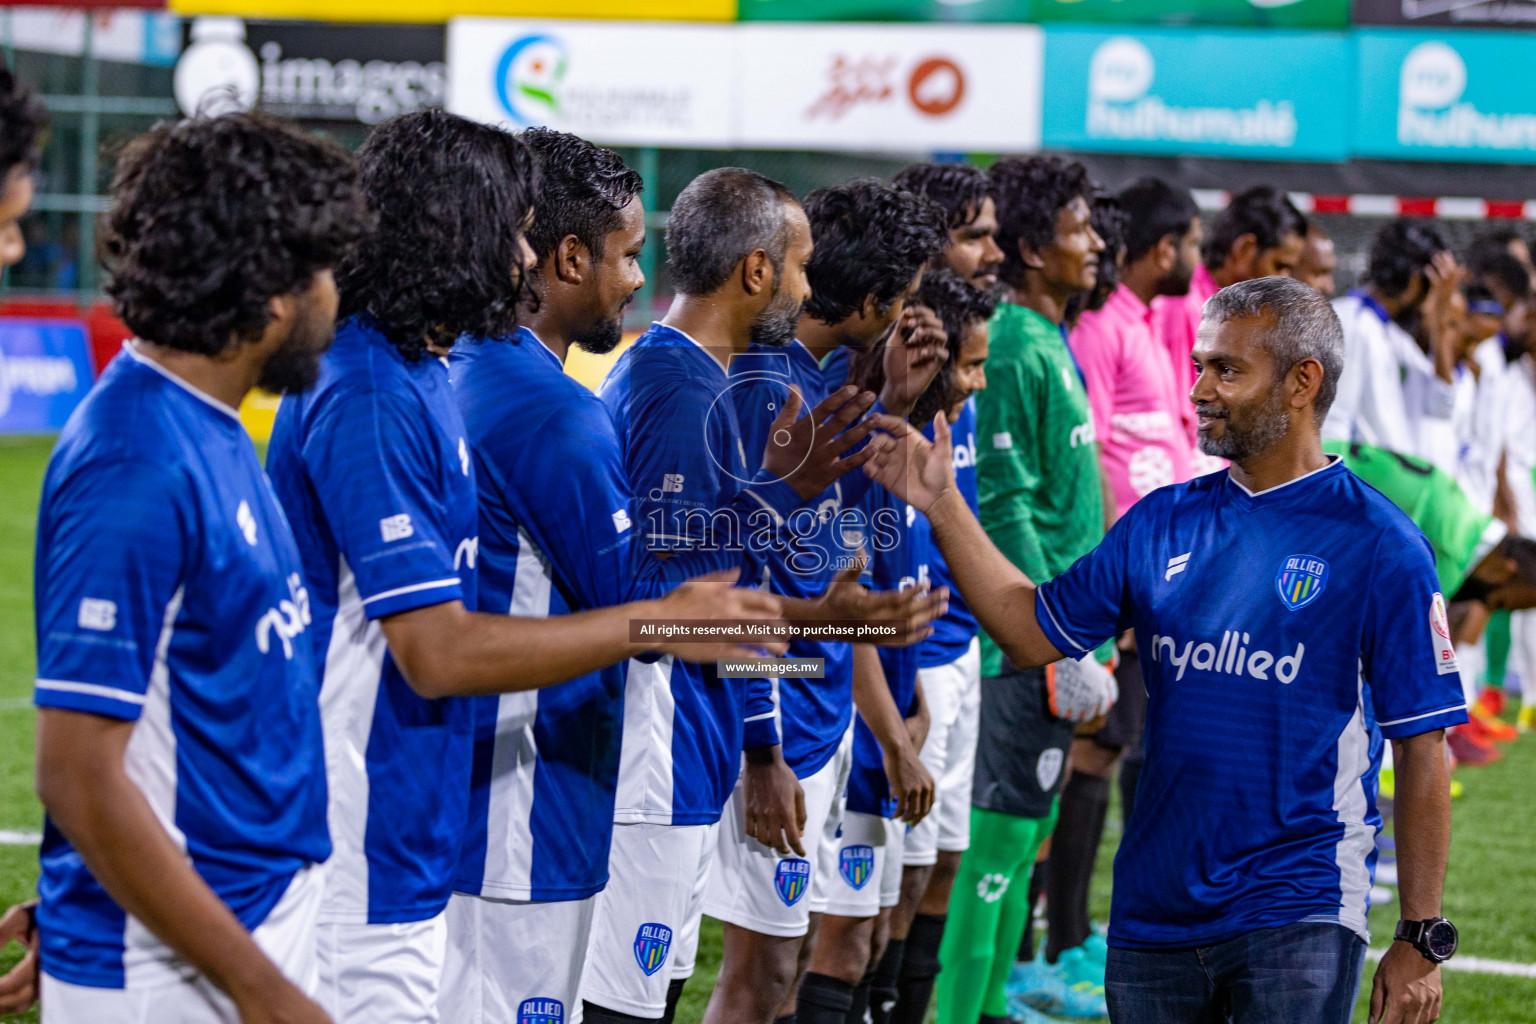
1440	636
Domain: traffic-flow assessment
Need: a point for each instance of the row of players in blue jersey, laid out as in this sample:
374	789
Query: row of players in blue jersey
269	797
181	752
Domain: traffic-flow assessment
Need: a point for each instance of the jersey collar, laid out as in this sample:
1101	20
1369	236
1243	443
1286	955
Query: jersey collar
1334	461
1373	305
547	350
130	347
655	324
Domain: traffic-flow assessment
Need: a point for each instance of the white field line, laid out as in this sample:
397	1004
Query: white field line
1477	965
10	837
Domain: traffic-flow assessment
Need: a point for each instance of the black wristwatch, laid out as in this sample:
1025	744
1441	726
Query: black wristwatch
1435	939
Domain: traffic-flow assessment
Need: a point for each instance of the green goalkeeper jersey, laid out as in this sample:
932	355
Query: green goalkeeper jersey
1037	463
1460	535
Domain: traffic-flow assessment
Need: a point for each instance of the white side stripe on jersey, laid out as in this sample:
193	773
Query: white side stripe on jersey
1428	714
91	690
411	589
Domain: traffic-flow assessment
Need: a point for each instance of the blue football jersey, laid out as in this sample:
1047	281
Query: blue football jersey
1283	634
953	634
900	557
169	593
822	539
555	537
373	469
689	474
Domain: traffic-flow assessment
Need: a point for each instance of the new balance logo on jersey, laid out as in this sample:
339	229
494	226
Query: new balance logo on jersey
468	552
1231	657
1177	564
247	523
965	453
652	942
541	1011
1002	442
1082	434
287	620
621	521
97	613
672	483
394	528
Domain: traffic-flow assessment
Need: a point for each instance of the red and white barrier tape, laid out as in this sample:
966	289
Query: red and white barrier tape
1447	207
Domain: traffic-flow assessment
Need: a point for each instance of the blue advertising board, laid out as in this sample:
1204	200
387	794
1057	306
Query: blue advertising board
45	371
1257	94
1462	95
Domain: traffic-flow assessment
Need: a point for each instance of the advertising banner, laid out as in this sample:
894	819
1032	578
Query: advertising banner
1272	13
312	70
45	371
439	11
1265	95
1439	13
132	37
635	84
1446	96
892	88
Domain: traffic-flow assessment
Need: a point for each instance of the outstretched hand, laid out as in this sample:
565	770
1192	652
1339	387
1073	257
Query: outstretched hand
914	355
907	464
810	452
712	596
911	610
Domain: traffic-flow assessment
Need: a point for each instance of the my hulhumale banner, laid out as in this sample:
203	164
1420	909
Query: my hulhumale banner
1446	96
1257	94
1272	13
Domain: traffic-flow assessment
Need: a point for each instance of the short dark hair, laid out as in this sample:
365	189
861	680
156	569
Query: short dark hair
957	187
1030	194
23	125
1263	212
958	306
1491	242
1503	269
718	220
1305	327
582	188
212	217
1154	210
1400	252
871	240
452	197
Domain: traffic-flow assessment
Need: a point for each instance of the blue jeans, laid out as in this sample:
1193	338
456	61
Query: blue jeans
1300	973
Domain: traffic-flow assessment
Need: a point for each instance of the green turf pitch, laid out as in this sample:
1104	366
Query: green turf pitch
1491	889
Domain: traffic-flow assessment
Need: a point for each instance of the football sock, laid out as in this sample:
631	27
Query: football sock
919	968
674	993
823	999
1074	846
594	1014
858	1009
884	984
1037	882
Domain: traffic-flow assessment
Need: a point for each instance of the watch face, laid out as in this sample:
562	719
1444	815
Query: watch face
1441	940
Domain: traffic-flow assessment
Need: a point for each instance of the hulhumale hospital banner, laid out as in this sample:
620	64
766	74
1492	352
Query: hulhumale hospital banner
1446	96
1274	95
1266	13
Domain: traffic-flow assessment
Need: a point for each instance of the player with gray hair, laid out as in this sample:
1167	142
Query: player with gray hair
1292	619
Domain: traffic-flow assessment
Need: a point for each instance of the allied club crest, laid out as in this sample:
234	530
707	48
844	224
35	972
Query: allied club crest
791	878
652	942
541	1011
856	864
1301	580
